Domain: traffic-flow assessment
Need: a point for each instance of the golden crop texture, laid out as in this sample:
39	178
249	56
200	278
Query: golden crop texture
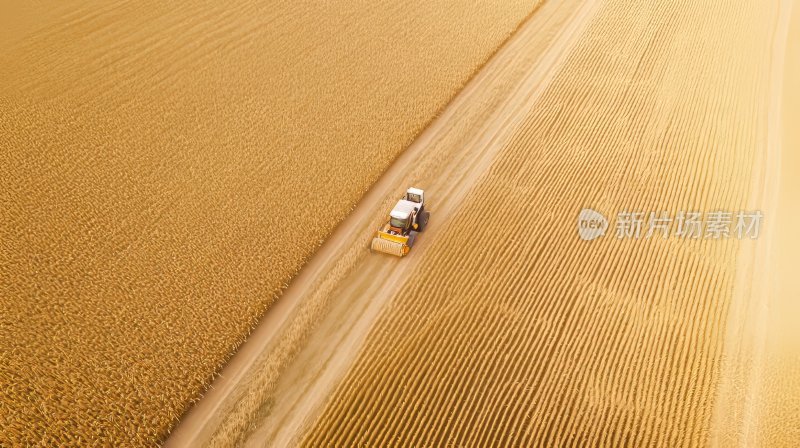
513	331
167	168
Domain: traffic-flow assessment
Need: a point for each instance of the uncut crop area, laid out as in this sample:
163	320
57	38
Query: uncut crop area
166	169
513	331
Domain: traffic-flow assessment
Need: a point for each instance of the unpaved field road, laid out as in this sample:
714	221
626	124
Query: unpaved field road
446	159
502	327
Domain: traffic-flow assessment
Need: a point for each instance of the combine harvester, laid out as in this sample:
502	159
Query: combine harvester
406	220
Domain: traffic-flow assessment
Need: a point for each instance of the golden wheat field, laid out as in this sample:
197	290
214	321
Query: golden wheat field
502	327
511	331
168	167
189	190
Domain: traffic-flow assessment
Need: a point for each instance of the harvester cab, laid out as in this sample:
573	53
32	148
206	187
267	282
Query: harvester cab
406	220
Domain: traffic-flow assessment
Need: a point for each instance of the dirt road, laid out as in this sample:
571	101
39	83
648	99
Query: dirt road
346	287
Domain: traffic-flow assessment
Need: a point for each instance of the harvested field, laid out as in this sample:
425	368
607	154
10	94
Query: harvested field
502	326
167	169
512	331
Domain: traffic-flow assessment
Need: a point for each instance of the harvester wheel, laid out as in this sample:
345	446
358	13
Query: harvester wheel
422	222
412	236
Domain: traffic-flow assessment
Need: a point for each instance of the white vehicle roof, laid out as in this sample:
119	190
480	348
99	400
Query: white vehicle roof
403	209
